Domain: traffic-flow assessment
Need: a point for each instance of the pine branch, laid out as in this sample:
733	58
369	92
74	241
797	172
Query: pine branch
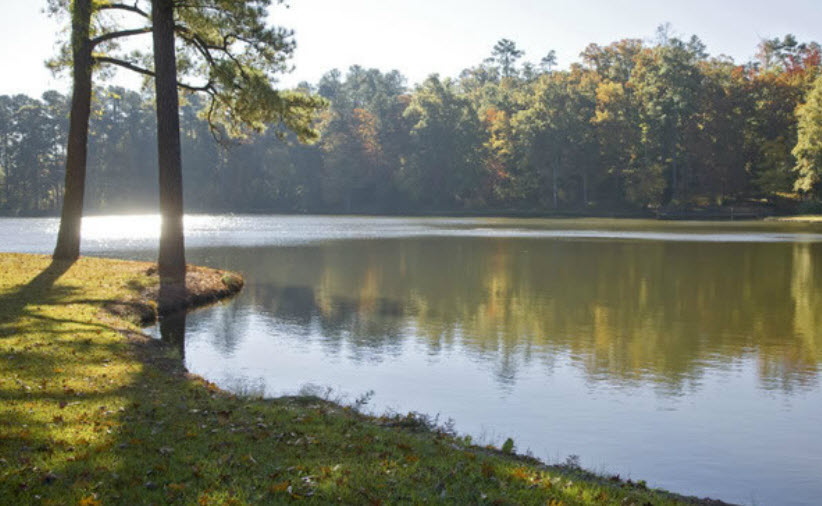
207	88
125	7
116	35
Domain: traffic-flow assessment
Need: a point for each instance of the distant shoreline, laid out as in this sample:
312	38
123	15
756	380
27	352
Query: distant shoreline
690	215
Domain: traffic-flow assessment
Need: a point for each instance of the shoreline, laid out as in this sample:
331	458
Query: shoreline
96	411
700	216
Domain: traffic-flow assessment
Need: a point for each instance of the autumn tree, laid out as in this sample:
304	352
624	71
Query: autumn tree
714	140
364	136
637	124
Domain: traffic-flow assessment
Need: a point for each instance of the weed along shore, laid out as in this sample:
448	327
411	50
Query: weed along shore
93	412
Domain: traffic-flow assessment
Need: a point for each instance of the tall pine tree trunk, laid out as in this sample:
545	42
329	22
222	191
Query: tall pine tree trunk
68	238
171	261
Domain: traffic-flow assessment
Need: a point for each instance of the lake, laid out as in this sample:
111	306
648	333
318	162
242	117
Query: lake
685	354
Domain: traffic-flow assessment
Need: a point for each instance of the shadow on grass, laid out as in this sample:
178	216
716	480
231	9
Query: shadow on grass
36	292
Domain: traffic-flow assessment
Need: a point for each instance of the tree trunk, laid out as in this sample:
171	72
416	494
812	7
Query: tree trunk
674	166
171	261
554	183
68	238
674	181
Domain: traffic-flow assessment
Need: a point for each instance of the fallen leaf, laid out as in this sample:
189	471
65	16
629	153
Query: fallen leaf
279	487
90	501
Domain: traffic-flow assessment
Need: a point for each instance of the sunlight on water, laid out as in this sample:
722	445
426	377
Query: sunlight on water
140	233
121	228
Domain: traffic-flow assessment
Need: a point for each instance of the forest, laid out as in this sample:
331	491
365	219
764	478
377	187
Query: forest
633	126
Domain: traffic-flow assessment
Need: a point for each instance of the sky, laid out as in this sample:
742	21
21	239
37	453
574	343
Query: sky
422	37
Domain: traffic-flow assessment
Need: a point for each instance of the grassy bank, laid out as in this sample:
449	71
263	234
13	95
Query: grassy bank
92	412
807	218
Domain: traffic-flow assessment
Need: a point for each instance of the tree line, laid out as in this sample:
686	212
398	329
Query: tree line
632	125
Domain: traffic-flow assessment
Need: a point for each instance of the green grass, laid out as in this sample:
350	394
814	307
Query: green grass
92	413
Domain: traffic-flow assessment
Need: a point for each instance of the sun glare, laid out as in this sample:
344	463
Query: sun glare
143	226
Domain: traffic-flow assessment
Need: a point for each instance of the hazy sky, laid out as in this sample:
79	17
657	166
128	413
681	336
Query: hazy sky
419	37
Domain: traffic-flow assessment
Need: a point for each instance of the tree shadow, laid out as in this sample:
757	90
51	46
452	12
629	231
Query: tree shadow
39	291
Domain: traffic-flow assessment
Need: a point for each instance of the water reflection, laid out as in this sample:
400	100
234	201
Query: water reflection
173	330
626	312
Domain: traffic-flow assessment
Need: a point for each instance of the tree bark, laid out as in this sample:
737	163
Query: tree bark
171	260
68	238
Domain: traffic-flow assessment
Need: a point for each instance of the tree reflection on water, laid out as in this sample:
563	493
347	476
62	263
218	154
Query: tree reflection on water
625	312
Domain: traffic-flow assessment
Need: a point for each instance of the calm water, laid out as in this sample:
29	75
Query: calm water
685	354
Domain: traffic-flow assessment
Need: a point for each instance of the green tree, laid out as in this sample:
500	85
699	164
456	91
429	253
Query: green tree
68	237
718	122
632	124
122	135
667	80
556	138
81	53
615	62
616	121
443	165
808	150
171	263
549	61
775	90
505	54
32	152
230	45
364	135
